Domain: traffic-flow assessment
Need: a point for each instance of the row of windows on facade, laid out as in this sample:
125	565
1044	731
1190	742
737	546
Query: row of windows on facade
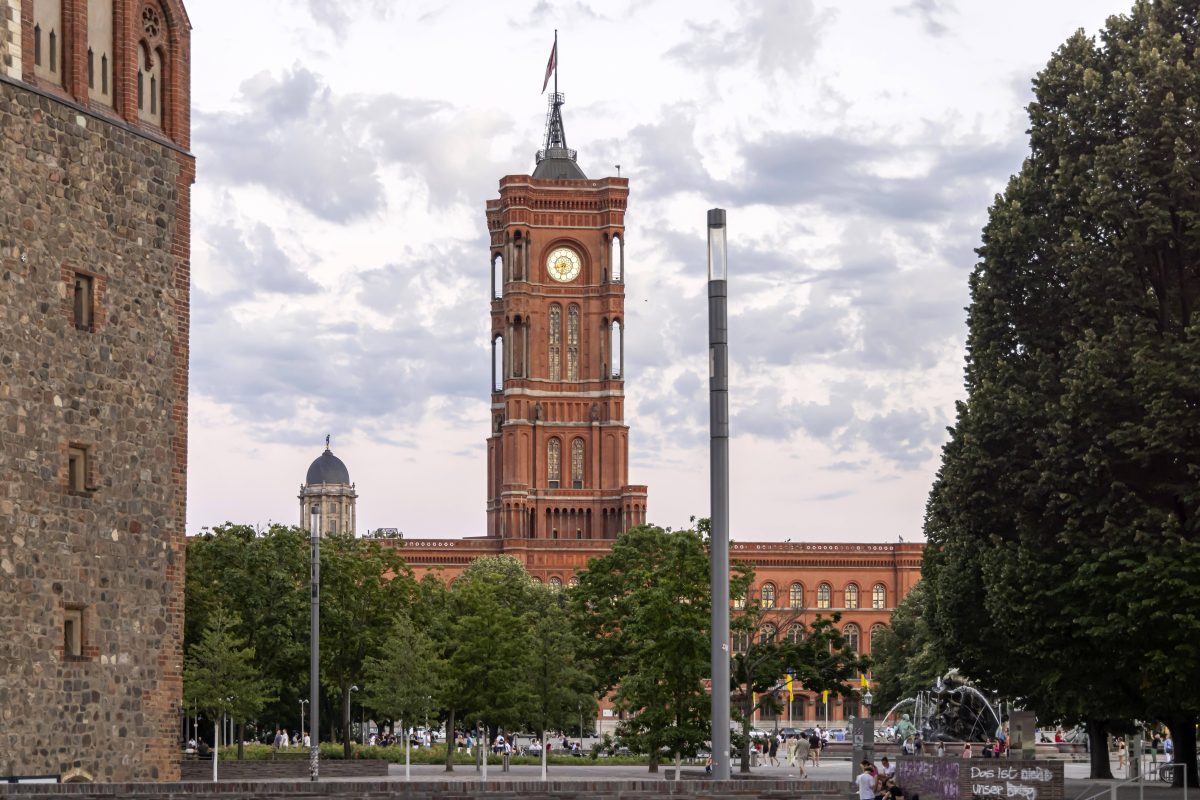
554	463
554	365
796	632
850	599
49	56
616	265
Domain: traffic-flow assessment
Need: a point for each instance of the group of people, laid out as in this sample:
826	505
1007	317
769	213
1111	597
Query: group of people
878	783
284	740
798	749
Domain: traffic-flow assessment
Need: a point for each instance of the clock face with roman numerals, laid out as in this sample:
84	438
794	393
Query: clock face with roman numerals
563	264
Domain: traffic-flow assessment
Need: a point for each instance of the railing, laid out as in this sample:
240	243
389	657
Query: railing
1156	771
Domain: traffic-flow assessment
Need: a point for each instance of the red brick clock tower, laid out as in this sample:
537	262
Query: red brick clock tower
558	453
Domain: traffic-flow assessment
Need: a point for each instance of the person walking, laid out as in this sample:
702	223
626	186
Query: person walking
1121	753
814	742
803	751
773	751
866	782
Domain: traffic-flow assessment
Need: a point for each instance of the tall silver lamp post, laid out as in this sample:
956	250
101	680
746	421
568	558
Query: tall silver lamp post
314	658
718	400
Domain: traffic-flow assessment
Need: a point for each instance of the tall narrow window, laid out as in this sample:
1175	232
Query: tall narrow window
554	462
617	259
498	364
37	45
877	631
141	90
795	633
73	632
851	596
84	301
741	641
497	277
77	468
91	69
768	595
616	348
824	595
879	596
796	596
767	633
104	74
99	44
53	51
573	343
850	632
153	95
555	343
577	464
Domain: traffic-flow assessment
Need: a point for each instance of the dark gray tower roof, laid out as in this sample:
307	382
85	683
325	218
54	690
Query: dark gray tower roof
556	161
328	468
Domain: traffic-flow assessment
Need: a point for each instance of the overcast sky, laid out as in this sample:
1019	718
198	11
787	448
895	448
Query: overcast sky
340	258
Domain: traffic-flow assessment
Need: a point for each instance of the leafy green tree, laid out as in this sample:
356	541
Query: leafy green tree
219	675
559	677
489	639
264	575
644	611
905	655
364	586
1064	557
402	681
817	656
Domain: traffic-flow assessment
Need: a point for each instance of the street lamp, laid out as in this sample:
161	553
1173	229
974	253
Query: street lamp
314	657
303	703
867	698
362	724
718	401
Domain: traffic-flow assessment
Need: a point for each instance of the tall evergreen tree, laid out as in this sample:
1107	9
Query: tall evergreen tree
1064	557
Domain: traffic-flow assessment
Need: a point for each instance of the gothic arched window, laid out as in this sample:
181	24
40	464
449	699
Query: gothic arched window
577	464
824	595
556	583
796	596
555	342
617	348
879	596
573	343
767	633
851	595
876	634
618	259
768	595
554	462
850	632
795	633
741	641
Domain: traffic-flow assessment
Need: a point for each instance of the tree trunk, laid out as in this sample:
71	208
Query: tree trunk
1097	731
450	744
241	734
1183	748
744	767
654	761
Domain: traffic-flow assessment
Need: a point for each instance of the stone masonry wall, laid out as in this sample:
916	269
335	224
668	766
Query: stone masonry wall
79	194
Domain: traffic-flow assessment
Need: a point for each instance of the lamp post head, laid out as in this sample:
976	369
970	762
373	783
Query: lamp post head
718	260
867	698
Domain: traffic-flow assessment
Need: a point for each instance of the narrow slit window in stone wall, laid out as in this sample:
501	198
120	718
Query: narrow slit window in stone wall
37	45
53	51
104	74
84	301
91	69
77	468
73	633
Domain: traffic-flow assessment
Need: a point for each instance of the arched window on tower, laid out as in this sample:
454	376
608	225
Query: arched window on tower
519	344
617	349
851	595
824	595
577	464
554	462
497	276
498	364
573	343
879	596
149	84
796	596
768	595
555	335
47	36
850	632
618	259
100	48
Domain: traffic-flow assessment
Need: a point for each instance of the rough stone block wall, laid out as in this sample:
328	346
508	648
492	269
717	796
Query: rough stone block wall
10	38
81	194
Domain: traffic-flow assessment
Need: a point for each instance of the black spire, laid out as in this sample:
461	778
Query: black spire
555	160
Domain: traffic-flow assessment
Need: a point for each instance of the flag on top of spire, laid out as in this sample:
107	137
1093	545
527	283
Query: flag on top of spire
552	64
